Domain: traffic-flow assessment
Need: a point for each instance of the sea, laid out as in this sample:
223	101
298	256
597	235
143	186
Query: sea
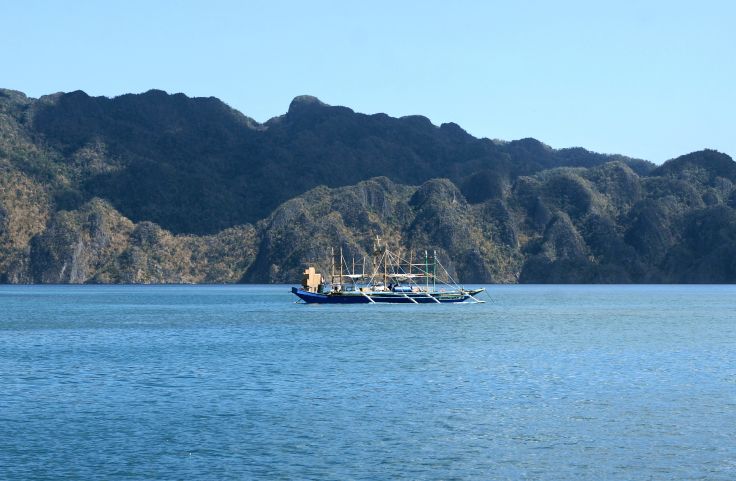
240	382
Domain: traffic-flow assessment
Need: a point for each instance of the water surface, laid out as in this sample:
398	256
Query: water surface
238	382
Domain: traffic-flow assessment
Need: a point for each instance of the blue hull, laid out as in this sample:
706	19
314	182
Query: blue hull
377	297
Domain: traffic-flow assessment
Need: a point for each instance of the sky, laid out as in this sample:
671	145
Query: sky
647	79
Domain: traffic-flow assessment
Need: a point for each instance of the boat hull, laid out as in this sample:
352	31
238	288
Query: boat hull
382	297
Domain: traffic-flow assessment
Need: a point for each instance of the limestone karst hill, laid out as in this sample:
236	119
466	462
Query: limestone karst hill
165	188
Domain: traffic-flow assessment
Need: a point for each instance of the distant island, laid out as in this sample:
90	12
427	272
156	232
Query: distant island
159	188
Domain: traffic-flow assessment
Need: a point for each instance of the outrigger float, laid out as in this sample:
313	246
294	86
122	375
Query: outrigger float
390	279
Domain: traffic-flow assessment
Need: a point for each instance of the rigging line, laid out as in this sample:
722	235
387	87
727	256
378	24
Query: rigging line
398	270
452	284
422	272
398	264
449	277
375	271
347	268
399	259
427	274
395	261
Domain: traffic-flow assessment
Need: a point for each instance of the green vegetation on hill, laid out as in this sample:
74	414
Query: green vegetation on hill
166	188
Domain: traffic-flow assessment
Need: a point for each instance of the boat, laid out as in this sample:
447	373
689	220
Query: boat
386	278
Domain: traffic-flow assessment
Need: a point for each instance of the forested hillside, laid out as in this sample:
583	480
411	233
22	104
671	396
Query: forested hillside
165	188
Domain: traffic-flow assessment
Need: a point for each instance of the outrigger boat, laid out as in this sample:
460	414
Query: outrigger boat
390	279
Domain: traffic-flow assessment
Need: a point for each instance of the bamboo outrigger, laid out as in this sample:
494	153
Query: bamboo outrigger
391	279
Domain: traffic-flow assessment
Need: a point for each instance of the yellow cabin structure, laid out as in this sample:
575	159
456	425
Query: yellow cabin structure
311	280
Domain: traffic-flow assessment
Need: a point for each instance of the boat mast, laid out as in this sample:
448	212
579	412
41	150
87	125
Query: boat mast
341	261
332	266
426	270
385	266
374	260
434	270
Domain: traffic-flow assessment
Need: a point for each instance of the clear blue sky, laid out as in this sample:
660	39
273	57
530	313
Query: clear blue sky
647	79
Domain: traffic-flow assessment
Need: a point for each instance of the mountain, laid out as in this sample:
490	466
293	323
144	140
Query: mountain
194	165
166	188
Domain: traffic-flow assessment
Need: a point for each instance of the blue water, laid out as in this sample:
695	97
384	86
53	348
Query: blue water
238	382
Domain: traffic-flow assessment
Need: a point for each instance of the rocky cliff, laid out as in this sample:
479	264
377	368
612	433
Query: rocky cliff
158	188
